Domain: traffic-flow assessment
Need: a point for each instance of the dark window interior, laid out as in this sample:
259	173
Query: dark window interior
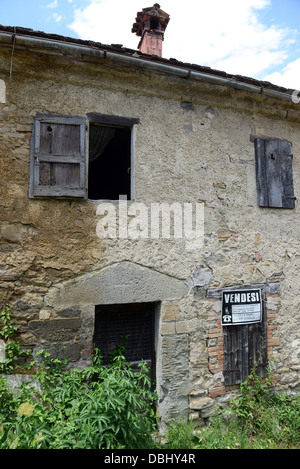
109	162
131	326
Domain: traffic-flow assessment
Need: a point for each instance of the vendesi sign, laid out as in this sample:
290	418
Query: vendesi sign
241	307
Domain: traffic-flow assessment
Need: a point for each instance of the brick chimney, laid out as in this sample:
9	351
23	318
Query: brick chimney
150	26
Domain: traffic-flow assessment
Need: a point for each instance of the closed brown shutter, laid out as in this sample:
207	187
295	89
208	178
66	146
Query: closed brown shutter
245	347
58	165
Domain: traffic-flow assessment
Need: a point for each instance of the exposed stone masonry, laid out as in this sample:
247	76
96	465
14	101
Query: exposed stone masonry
193	144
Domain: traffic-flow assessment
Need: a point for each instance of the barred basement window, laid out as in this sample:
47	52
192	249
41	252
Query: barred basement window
129	326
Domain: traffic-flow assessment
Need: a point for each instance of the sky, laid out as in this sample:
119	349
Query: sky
254	38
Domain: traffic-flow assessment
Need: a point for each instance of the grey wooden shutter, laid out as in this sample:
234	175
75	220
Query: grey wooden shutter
274	173
245	346
58	163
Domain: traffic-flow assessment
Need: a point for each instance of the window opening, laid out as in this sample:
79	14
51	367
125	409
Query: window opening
58	160
130	326
109	172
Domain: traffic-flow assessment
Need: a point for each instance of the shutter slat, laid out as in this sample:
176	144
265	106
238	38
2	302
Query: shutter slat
261	177
244	345
59	158
288	199
273	173
232	355
55	191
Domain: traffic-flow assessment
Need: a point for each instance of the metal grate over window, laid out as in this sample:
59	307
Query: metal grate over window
126	325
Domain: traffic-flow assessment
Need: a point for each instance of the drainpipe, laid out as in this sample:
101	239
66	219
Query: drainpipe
30	41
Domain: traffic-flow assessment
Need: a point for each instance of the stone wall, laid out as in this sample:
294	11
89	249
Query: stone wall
192	145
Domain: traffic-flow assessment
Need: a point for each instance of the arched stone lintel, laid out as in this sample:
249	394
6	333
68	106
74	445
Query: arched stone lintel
122	282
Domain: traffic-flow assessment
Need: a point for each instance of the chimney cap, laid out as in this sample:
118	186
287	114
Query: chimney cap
146	14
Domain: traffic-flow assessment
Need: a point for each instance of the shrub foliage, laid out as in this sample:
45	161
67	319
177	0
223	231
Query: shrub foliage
95	408
113	407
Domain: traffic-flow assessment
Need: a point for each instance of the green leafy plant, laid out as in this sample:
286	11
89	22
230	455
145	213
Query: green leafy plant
98	407
120	349
258	418
112	407
6	397
13	350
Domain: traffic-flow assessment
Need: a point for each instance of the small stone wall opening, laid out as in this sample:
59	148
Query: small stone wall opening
129	328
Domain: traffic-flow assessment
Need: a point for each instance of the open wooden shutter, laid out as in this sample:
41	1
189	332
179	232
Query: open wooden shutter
245	346
274	173
58	163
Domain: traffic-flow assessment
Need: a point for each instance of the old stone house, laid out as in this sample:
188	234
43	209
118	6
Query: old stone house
95	140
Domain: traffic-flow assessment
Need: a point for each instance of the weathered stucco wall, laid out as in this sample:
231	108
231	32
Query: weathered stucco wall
54	267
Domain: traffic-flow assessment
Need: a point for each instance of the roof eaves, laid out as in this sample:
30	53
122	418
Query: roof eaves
119	49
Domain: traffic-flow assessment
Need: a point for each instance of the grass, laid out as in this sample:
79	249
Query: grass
259	419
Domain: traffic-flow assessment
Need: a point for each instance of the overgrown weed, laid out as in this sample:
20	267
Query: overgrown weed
95	408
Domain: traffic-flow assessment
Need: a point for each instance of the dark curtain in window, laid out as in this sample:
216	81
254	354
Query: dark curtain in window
99	139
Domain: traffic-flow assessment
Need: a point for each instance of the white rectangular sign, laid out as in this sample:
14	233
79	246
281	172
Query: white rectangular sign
241	307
